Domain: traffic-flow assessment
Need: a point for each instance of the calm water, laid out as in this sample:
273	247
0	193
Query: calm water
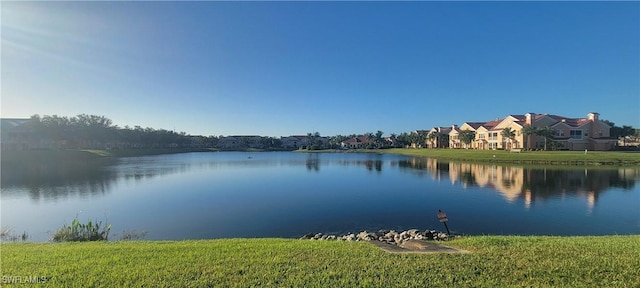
282	194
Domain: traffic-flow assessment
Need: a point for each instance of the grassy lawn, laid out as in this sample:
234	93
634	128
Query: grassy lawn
526	157
495	261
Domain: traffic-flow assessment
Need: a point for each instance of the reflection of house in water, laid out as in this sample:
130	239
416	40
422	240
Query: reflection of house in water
530	184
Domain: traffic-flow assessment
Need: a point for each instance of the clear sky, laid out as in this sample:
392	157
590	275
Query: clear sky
283	68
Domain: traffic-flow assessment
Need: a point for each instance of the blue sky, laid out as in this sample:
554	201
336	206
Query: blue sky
283	68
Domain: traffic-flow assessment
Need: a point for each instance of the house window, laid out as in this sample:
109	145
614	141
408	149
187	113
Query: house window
481	136
559	133
576	134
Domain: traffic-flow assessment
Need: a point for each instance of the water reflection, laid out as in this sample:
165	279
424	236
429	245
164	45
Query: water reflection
284	194
530	184
57	180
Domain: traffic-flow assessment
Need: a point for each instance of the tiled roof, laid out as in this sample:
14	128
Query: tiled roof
475	125
574	122
492	124
445	130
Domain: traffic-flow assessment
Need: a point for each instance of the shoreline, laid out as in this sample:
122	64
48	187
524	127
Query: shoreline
553	158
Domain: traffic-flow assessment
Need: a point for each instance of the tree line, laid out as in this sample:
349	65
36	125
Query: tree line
98	132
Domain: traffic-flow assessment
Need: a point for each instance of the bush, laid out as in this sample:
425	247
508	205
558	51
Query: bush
82	232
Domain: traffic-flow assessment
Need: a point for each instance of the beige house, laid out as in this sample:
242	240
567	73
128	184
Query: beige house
570	133
441	137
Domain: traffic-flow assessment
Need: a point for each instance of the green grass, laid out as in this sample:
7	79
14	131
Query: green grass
525	157
495	261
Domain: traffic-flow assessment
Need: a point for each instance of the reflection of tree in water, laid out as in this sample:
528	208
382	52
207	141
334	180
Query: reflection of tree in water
63	179
369	164
547	182
52	180
313	162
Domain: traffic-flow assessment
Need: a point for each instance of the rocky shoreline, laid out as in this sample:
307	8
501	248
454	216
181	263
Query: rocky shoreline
383	235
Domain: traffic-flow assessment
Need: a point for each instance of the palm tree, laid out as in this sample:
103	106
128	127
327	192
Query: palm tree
433	136
546	132
379	139
467	136
509	134
527	131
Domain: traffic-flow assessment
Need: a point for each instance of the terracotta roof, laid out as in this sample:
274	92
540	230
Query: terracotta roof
574	122
445	130
492	124
475	125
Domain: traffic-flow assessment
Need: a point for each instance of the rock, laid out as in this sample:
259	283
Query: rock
363	236
383	235
429	234
391	234
307	236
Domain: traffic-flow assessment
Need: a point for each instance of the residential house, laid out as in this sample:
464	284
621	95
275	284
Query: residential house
471	126
570	133
441	139
576	134
15	134
240	142
294	142
357	142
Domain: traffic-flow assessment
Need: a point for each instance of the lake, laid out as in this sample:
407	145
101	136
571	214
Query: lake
289	194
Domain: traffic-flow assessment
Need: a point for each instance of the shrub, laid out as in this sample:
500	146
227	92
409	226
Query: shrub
82	232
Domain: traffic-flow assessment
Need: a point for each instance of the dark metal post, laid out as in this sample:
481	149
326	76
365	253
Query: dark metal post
443	218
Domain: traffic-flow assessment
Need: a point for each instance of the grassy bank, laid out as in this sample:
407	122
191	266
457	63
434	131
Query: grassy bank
524	157
495	261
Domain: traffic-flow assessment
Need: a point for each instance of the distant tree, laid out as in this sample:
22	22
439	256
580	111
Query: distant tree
528	131
370	140
508	133
313	141
434	138
546	132
626	131
393	140
418	139
335	141
467	136
379	139
404	139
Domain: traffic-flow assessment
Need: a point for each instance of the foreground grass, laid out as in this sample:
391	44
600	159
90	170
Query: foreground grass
525	157
495	261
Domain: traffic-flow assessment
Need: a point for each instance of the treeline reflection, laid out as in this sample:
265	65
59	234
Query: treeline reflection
53	180
515	182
